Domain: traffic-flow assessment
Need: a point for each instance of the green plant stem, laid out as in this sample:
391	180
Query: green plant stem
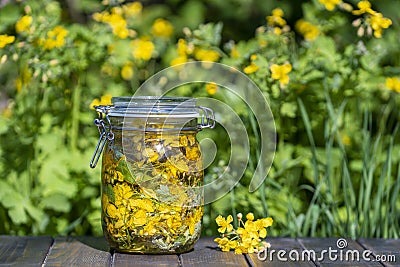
76	99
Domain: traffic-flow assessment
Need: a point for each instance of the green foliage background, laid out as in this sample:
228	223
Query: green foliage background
337	167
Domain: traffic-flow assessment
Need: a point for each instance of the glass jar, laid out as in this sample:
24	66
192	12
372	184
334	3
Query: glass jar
152	174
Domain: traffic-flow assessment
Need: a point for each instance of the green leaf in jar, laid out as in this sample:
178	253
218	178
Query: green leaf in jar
124	169
110	193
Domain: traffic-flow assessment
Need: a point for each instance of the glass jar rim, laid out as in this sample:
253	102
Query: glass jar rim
149	106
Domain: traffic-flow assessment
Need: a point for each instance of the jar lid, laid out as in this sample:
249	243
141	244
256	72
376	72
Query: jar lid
153	106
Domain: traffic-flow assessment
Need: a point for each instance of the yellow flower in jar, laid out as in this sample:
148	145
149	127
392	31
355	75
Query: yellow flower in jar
144	204
122	193
140	217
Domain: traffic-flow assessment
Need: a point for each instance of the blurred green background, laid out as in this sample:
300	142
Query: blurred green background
336	106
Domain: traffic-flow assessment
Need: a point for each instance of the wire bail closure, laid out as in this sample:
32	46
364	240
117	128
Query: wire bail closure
207	118
105	133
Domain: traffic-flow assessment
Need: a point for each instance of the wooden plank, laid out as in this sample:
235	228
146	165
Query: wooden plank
139	260
24	250
70	251
331	251
271	258
387	250
206	253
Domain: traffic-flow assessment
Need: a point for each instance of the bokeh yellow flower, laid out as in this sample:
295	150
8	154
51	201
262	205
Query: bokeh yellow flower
330	4
104	100
127	71
252	67
378	22
6	39
393	84
307	29
162	28
23	24
55	38
280	72
364	7
276	19
132	9
142	49
211	88
206	55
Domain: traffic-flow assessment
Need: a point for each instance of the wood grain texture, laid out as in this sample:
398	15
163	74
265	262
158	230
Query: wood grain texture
272	259
136	260
206	253
70	251
350	255
387	249
24	250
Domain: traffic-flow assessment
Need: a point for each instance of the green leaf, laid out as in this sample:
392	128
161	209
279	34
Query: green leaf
289	110
57	202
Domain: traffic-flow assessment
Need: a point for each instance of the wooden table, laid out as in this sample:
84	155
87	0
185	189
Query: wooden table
93	251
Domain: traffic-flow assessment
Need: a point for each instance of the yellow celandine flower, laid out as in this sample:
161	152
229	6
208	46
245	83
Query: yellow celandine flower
211	88
346	140
225	244
252	67
206	55
142	49
393	84
56	38
330	4
280	72
117	23
178	60
307	29
364	7
23	24
23	79
104	100
162	28
127	71
132	9
224	224
183	51
276	19
234	52
378	22
6	39
247	237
